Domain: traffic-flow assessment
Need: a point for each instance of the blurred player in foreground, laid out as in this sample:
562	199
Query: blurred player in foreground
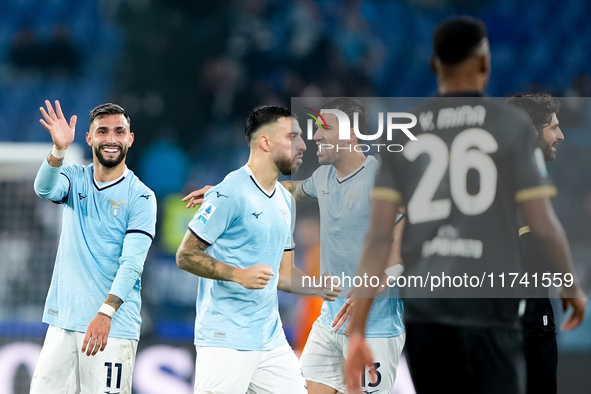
341	186
461	183
240	245
108	225
539	330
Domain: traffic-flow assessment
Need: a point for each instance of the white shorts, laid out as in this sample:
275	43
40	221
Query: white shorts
63	368
229	371
323	359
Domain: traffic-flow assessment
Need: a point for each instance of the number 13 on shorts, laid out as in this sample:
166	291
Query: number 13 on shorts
367	381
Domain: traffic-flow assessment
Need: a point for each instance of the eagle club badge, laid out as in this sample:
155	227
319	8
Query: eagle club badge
286	215
116	207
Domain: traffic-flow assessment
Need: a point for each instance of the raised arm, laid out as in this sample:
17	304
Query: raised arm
191	257
48	183
62	133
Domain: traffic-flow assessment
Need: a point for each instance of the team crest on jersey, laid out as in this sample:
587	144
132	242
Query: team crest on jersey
286	215
352	198
116	207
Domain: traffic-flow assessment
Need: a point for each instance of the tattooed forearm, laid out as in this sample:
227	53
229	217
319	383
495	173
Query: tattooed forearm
114	301
54	161
191	257
297	190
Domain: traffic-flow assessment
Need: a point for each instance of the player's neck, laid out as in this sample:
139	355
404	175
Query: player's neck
265	173
107	174
348	164
460	83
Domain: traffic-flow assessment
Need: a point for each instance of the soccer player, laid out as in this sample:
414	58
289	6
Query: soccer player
342	186
239	244
461	183
539	330
108	226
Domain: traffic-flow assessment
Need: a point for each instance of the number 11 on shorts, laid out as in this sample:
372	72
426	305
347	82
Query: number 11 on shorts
119	367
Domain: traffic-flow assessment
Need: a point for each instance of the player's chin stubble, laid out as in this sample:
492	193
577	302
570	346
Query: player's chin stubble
284	165
110	163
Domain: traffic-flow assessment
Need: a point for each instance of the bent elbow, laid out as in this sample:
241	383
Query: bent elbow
181	260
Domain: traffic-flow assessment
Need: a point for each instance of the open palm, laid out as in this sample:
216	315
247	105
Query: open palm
61	132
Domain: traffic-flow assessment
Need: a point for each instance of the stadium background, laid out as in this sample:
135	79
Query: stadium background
188	72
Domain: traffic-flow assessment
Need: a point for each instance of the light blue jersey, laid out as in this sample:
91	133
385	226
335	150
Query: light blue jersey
244	226
107	230
344	217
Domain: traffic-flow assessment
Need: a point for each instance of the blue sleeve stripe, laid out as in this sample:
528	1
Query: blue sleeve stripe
140	232
199	238
65	199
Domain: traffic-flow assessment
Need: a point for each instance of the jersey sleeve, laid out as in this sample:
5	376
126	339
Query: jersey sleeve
53	183
385	184
291	239
309	186
142	217
131	264
531	177
214	216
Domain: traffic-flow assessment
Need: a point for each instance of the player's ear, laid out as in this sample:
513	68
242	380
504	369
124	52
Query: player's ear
483	64
264	142
131	138
88	138
352	138
433	64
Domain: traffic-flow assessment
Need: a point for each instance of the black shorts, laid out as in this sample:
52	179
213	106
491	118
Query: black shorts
541	357
461	360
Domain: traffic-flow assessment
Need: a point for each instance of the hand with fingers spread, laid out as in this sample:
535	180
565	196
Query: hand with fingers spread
255	277
344	313
97	334
196	197
61	132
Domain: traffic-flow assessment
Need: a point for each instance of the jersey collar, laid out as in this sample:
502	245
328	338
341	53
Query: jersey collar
105	185
357	171
249	171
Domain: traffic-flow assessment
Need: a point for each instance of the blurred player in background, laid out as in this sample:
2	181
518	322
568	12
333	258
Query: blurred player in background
342	186
108	226
539	330
240	245
465	345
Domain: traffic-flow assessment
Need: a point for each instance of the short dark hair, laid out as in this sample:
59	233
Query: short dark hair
108	109
264	115
454	40
539	107
350	106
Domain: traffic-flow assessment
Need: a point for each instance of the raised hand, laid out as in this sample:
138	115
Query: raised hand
196	197
61	132
255	277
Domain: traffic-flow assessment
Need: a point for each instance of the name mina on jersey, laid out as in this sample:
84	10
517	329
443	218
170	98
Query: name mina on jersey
344	206
474	160
244	226
95	220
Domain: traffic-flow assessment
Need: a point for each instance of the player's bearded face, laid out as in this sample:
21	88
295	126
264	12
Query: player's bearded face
107	156
283	163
